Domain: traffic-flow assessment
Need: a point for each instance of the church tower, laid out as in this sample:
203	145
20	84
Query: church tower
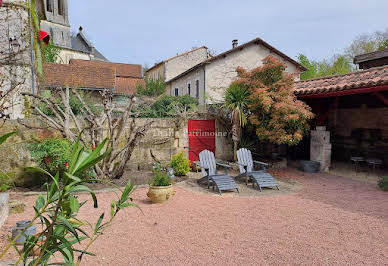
55	21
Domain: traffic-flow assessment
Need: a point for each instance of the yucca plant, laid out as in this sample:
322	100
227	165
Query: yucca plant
237	102
57	212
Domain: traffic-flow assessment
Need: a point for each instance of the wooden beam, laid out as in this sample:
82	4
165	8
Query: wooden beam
381	97
345	92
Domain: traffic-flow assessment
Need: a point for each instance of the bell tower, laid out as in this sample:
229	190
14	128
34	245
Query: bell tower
55	21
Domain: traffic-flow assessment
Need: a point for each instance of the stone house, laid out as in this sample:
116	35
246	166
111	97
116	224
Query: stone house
208	79
174	66
55	21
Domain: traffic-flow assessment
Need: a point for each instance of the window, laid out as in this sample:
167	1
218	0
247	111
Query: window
189	89
60	7
197	89
176	92
49	6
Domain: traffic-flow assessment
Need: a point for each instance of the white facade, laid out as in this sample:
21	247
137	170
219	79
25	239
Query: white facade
176	65
216	75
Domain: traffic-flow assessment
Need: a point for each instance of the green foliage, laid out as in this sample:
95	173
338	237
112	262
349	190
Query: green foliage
367	43
160	177
152	87
337	65
383	45
51	154
5	187
165	105
180	164
51	52
237	102
63	234
75	104
383	183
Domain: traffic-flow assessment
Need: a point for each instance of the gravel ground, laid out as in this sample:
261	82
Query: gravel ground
330	220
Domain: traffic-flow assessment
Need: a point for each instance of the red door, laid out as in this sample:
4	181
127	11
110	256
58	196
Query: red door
202	136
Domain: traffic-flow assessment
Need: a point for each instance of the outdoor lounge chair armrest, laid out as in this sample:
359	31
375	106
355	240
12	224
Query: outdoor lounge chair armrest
261	163
224	165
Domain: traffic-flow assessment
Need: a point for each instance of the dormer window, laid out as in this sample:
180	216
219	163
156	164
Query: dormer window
49	6
60	7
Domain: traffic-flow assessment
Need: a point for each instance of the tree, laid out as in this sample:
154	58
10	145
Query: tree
237	102
123	133
277	115
152	87
367	43
337	65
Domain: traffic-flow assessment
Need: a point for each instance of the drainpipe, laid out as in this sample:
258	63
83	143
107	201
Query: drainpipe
204	84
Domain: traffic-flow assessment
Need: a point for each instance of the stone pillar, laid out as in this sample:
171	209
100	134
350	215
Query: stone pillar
4	208
320	148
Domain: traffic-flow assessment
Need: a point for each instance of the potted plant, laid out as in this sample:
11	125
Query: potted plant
161	188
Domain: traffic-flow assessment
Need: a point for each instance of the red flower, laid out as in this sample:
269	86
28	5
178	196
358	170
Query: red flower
93	147
66	164
47	160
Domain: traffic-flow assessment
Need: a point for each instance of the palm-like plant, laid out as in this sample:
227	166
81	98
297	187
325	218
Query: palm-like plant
237	102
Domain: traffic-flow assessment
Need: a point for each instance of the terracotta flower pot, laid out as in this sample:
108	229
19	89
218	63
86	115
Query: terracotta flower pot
160	194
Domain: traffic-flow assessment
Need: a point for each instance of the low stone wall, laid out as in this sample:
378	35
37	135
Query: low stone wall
4	207
165	138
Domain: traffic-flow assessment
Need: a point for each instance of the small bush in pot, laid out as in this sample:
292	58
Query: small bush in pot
383	183
160	186
180	164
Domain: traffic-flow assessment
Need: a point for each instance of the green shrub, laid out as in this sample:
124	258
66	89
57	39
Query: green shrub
383	183
5	187
52	154
164	106
152	87
180	164
160	177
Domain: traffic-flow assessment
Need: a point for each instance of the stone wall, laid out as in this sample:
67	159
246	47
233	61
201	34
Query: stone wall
320	148
165	138
360	131
4	208
15	59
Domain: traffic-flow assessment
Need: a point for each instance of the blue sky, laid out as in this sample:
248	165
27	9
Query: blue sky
145	32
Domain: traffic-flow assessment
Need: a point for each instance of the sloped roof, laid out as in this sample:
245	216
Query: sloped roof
178	55
238	48
366	78
122	70
127	85
80	43
77	76
370	56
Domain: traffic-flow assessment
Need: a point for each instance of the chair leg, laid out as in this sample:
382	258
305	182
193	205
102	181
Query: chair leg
259	187
238	190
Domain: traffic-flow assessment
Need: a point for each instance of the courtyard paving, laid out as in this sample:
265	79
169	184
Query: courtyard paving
326	220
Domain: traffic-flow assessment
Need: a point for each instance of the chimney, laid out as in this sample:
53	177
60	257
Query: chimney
234	43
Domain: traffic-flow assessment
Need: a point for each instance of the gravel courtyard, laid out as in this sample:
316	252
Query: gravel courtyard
330	220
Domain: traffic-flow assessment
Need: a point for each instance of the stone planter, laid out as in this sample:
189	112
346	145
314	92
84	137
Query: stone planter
160	194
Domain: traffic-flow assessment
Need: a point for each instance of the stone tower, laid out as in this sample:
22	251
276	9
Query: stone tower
56	21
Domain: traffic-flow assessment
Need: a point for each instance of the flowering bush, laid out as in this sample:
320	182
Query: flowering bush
277	115
52	154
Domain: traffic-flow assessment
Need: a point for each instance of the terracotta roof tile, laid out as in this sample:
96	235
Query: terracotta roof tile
127	85
61	75
122	70
365	78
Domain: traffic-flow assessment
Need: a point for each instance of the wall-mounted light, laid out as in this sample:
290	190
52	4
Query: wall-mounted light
15	45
